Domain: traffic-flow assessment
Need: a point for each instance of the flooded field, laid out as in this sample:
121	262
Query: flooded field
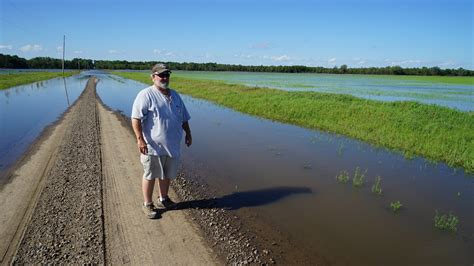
382	88
27	109
285	177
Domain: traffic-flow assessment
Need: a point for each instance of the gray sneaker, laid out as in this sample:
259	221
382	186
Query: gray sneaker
167	204
150	211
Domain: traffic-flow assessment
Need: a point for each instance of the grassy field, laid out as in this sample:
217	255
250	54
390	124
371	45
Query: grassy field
436	133
11	80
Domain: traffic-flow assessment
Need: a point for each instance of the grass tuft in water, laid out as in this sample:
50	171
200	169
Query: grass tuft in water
343	177
447	222
395	206
359	177
340	150
376	187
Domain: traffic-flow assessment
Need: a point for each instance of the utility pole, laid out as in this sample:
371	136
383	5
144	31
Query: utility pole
64	48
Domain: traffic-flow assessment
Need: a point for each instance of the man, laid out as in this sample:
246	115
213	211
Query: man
159	117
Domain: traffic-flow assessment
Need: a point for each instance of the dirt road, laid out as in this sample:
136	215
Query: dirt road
77	200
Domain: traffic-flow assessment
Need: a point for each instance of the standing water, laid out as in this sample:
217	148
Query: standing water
376	87
27	109
343	223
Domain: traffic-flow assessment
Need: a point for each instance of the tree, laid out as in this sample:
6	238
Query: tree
343	69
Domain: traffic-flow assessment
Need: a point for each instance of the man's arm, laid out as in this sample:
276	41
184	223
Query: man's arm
137	128
188	139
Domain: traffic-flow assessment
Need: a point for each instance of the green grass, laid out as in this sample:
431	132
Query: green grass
11	80
358	179
376	187
434	132
340	149
447	222
343	177
395	206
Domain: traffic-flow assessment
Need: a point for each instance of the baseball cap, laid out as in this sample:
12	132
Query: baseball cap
160	68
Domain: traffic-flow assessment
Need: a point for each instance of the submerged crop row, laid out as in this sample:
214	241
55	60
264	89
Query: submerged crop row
434	132
11	80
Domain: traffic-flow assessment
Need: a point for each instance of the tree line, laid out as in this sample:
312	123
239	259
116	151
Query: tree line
13	61
9	61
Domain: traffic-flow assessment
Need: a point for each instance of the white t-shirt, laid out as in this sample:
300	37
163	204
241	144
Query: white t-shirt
162	120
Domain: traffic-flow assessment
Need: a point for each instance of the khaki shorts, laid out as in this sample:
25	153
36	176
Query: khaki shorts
159	166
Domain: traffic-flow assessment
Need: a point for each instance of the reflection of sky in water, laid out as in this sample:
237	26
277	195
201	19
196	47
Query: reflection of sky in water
118	93
26	110
377	88
245	153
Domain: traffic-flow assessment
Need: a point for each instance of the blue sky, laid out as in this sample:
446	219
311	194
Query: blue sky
409	33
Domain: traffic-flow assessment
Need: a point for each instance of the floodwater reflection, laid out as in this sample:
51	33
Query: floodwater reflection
65	90
27	109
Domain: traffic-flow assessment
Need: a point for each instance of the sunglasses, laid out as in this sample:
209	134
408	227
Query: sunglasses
162	75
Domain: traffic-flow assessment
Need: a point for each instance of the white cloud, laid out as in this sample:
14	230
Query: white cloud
6	47
31	48
332	60
405	62
359	61
59	48
78	52
247	56
448	64
166	53
280	58
208	55
262	45
113	51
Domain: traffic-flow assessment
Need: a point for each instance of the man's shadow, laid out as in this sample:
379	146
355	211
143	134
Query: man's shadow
238	200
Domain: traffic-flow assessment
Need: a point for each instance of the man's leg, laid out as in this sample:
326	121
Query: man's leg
164	187
147	186
170	167
148	207
164	202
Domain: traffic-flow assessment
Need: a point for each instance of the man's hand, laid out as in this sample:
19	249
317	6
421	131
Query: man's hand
188	139
137	128
142	146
